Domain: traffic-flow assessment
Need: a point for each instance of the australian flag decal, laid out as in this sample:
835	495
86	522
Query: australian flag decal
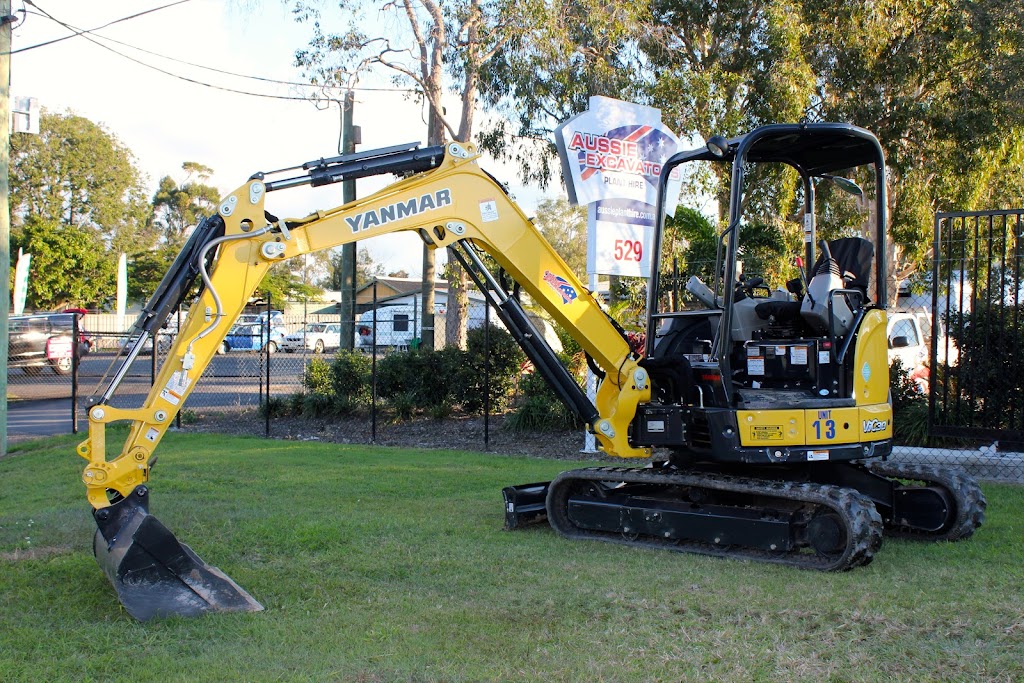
560	285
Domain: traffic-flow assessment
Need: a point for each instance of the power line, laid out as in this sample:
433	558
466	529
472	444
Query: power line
80	32
91	35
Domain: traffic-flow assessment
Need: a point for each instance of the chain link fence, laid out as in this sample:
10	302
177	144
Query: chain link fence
269	351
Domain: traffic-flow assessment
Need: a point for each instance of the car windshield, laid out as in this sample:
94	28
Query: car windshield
316	327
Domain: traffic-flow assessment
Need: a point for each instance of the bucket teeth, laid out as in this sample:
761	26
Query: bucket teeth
154	574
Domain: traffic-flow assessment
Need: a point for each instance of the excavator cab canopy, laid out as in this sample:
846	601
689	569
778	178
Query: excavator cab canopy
818	152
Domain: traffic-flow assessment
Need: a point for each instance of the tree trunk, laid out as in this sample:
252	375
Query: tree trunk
457	317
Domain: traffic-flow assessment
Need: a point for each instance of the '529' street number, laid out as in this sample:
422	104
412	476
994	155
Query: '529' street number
628	250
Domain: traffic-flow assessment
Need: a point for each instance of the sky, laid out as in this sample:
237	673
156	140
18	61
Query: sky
166	120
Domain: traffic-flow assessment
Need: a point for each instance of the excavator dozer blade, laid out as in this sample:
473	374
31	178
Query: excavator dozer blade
525	504
154	574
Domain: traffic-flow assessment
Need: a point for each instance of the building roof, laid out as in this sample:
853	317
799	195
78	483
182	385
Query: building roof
400	285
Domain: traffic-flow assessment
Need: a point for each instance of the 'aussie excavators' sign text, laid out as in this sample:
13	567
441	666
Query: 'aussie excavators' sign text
399	210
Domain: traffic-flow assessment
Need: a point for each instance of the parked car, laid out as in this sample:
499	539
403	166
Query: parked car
164	339
910	340
315	337
253	337
276	318
40	341
85	342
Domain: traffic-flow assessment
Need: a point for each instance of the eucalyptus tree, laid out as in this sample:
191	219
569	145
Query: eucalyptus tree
431	48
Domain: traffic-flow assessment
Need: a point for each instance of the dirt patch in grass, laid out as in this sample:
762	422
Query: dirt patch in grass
34	553
456	433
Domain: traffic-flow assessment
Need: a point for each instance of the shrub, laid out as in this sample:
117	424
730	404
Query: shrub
396	374
404	405
295	402
423	377
317	405
909	407
275	406
505	364
541	409
350	374
317	378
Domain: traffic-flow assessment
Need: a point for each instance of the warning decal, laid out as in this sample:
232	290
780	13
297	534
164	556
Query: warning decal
766	432
176	387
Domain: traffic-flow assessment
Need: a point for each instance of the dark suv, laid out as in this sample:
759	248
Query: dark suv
43	340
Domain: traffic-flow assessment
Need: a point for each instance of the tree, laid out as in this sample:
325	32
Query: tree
70	266
425	43
283	283
565	227
938	82
178	208
76	173
546	74
366	270
146	269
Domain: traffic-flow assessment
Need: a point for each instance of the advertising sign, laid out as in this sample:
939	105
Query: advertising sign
612	156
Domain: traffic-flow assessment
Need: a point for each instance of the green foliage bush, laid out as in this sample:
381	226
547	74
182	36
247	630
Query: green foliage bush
504	365
317	379
419	380
350	374
987	378
540	409
423	377
909	407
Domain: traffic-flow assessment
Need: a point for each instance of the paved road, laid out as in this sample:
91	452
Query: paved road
48	417
40	404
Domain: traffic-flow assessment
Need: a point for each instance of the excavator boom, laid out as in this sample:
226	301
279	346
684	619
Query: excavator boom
447	200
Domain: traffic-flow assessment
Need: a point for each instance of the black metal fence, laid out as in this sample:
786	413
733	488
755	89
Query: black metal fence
978	328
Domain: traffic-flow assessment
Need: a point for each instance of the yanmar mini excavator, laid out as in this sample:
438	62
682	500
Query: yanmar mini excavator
773	410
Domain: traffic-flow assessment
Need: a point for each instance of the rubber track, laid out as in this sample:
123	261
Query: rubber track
862	521
963	489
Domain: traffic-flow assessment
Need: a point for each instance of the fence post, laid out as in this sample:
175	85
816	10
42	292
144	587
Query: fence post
373	370
487	373
177	415
266	349
74	373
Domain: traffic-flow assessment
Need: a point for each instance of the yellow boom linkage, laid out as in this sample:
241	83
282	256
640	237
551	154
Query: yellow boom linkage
454	202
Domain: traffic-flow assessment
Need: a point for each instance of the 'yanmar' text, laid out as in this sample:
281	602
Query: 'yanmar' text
400	210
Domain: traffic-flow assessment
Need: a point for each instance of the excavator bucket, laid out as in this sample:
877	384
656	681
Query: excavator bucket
154	574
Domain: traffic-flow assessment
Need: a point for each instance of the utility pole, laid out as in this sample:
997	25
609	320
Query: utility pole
350	138
5	208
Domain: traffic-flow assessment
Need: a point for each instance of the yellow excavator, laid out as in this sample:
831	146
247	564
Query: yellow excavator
773	410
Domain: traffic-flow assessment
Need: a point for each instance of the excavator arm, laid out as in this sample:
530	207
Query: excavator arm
449	201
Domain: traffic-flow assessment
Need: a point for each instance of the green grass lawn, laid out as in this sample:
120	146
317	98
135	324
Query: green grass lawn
378	564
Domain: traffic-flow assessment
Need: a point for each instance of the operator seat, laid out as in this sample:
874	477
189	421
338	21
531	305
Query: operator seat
848	267
849	260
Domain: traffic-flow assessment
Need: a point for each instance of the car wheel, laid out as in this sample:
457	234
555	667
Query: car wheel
319	346
223	348
62	366
271	347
